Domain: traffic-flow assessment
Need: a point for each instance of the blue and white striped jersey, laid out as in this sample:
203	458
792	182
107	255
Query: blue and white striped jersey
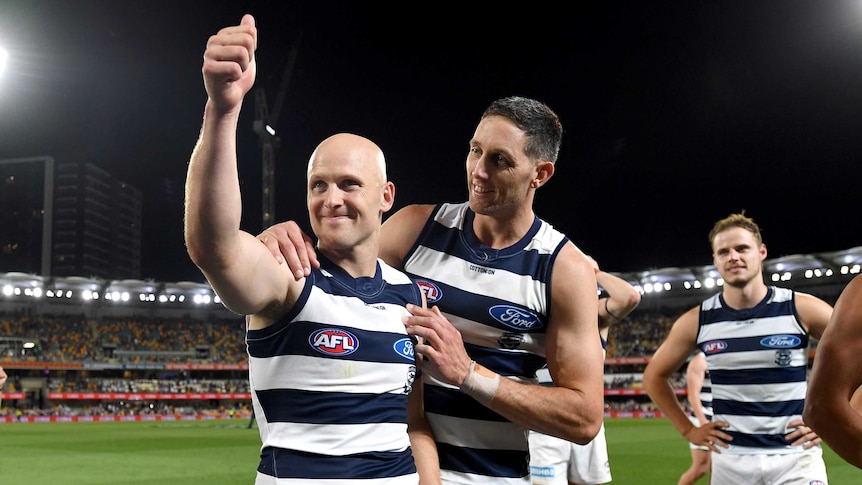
330	381
499	299
757	360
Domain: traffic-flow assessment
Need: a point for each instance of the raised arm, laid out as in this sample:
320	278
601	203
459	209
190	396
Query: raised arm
622	298
836	376
238	267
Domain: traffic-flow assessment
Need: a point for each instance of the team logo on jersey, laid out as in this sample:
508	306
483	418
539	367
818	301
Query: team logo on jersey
510	340
781	341
404	348
432	291
514	317
411	377
783	358
332	341
714	347
816	482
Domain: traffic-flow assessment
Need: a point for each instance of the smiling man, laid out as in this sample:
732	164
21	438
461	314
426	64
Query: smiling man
755	338
509	292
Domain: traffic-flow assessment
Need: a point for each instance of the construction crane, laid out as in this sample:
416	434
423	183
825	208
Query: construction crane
265	121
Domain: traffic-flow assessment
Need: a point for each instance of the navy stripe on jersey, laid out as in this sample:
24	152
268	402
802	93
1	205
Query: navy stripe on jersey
508	464
756	342
757	440
346	467
506	363
332	407
453	402
758	376
768	409
374	346
473	306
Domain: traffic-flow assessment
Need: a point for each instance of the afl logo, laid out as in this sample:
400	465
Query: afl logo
781	341
714	347
404	348
432	291
516	318
332	341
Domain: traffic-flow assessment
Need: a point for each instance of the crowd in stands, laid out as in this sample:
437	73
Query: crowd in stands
159	340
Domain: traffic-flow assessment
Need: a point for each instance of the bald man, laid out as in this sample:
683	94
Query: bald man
331	365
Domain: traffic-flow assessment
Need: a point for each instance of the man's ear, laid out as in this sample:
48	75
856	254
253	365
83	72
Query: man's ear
544	171
388	199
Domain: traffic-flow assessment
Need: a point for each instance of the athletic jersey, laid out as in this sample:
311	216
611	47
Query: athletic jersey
757	359
499	299
330	381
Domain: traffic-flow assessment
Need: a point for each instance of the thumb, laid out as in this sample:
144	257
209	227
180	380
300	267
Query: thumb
247	19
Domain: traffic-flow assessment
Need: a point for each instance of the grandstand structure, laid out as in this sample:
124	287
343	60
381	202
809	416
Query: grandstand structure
94	349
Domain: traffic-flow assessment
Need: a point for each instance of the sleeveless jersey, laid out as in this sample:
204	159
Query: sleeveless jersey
330	381
757	359
499	299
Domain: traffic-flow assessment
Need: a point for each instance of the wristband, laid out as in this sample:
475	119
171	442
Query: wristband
480	387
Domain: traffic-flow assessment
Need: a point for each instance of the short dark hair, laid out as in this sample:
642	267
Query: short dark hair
539	122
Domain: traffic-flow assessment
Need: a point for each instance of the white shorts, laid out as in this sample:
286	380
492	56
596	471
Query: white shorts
806	467
554	461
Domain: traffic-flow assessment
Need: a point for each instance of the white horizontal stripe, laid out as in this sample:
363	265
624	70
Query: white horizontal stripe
760	392
341	439
487	435
449	476
781	324
489	337
378	317
504	285
754	359
316	374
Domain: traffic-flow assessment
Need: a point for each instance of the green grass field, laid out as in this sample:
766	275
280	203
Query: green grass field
642	452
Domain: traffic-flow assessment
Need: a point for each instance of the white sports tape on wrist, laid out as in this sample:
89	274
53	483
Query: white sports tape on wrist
479	387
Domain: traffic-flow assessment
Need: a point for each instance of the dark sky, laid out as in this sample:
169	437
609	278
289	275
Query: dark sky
676	113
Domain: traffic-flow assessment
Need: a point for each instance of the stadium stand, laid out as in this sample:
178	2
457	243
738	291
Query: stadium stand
86	349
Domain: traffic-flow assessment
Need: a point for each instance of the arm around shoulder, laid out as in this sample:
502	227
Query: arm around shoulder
400	231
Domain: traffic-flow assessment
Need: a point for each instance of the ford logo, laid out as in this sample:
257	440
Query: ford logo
404	348
781	341
514	317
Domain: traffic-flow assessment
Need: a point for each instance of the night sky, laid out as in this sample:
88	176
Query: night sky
675	113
